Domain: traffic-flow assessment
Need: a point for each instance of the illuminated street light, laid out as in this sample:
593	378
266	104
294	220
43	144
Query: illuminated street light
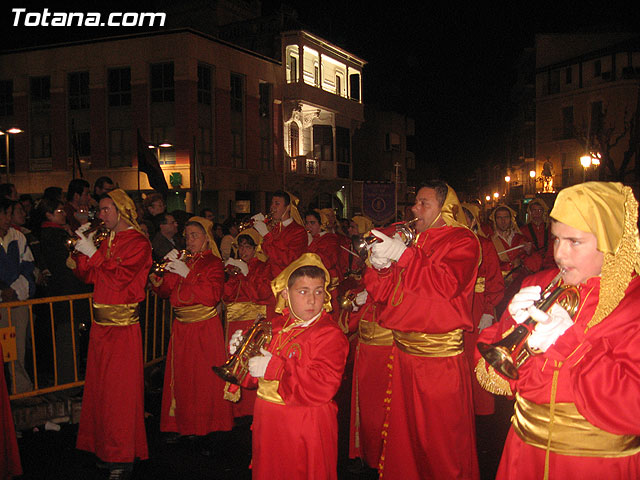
487	198
496	195
532	173
7	133
507	179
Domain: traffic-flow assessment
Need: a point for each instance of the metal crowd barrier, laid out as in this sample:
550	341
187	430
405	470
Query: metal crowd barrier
57	337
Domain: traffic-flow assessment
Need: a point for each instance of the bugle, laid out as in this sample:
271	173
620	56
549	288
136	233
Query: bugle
236	368
244	225
97	226
361	243
507	355
158	268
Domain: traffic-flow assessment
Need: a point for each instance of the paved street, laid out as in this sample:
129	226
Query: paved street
51	455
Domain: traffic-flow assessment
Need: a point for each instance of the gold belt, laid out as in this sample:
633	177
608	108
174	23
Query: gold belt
373	334
268	390
421	344
572	434
194	313
120	315
480	285
242	311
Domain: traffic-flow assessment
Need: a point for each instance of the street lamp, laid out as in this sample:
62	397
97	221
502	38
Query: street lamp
507	179
164	144
6	133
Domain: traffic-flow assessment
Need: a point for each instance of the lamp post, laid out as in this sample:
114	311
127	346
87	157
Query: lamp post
507	179
585	161
6	133
532	176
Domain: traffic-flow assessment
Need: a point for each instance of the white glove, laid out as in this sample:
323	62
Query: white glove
258	364
521	301
486	320
178	267
390	247
85	244
258	217
172	255
261	227
235	341
379	263
361	298
240	264
84	227
549	327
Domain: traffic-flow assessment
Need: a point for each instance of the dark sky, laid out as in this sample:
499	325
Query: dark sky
448	64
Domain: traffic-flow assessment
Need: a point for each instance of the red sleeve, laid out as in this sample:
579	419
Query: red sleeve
284	247
493	280
203	284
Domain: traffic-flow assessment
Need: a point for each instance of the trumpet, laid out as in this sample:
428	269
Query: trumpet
236	368
158	268
361	243
246	224
98	227
507	355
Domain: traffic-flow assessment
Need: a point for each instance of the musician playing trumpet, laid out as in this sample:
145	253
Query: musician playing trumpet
577	399
192	397
247	292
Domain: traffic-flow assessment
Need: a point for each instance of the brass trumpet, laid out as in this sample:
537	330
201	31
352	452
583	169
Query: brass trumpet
236	368
360	243
246	224
158	268
507	355
97	226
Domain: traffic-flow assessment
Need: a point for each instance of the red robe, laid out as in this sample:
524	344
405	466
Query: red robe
542	242
299	440
283	245
431	432
598	371
194	347
327	247
369	387
531	262
254	288
489	291
112	418
9	454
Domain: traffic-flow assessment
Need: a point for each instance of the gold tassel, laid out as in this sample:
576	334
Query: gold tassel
231	396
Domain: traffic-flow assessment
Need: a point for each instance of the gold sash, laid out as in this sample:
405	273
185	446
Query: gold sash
120	315
194	313
242	311
479	288
373	334
572	433
446	344
268	390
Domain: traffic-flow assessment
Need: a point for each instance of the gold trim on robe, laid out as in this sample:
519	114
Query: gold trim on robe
572	433
242	311
194	313
479	288
447	344
371	333
119	315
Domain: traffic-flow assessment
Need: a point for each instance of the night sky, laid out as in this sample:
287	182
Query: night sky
449	64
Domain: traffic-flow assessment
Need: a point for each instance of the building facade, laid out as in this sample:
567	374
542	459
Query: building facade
217	115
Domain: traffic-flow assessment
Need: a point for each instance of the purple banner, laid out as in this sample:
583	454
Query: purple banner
378	201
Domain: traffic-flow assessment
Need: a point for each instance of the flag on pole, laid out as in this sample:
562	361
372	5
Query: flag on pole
148	163
197	174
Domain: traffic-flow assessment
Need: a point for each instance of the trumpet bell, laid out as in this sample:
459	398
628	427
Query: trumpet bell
361	243
236	368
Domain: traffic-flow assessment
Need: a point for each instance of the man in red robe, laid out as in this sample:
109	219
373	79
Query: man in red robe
325	244
517	260
488	292
427	292
287	239
538	232
576	399
112	418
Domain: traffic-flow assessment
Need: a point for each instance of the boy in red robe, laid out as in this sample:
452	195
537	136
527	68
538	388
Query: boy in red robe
295	427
